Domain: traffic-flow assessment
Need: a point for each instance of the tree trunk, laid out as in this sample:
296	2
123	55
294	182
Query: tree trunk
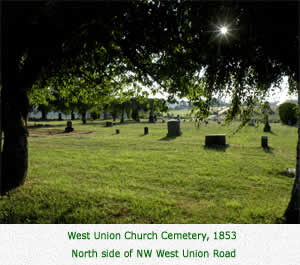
15	148
135	115
0	142
15	154
292	213
72	116
128	114
122	117
151	117
59	117
105	115
44	115
83	117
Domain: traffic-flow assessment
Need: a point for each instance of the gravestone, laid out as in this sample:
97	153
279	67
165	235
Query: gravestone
117	131
264	141
59	116
109	124
174	128
291	172
146	130
215	139
69	127
163	121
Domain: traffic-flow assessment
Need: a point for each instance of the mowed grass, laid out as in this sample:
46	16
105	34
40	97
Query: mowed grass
131	178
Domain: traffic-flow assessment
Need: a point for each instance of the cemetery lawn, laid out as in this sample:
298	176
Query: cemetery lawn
102	177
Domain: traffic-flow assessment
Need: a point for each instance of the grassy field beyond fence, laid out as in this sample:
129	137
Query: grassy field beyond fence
102	177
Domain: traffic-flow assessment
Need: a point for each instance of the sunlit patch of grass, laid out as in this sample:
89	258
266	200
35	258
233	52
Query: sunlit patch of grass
132	178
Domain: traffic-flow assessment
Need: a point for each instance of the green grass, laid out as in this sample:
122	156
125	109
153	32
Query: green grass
132	178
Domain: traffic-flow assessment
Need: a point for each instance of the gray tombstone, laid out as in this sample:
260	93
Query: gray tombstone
215	139
109	124
117	131
291	172
264	141
69	127
174	128
146	130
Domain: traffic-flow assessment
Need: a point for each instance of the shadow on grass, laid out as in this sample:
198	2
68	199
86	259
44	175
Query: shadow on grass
289	172
168	138
280	220
219	148
268	150
271	132
38	126
143	134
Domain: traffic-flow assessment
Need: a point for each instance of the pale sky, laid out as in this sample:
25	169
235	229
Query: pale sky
281	94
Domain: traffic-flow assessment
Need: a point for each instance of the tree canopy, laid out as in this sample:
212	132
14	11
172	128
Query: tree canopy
175	45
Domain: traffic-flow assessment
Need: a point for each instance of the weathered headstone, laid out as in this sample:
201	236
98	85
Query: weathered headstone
117	131
69	127
291	172
146	130
109	124
163	121
215	139
174	128
264	141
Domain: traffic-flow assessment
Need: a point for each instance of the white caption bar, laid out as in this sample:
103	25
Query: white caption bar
149	244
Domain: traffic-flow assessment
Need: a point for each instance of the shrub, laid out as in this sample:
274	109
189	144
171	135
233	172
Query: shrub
288	111
95	115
